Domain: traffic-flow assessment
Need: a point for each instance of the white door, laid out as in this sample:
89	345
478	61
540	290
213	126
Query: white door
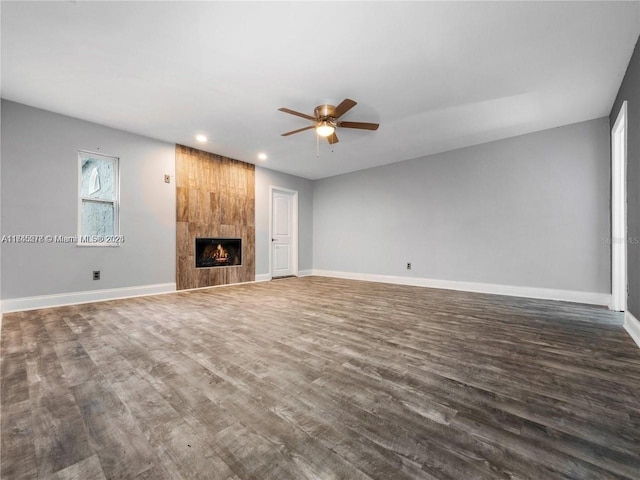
619	211
284	232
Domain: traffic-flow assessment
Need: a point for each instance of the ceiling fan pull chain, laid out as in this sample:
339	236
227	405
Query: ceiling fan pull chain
317	146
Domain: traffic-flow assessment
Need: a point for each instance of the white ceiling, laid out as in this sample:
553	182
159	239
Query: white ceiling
436	75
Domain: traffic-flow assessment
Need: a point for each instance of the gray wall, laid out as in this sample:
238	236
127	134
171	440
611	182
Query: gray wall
264	179
40	192
526	211
530	211
0	215
630	91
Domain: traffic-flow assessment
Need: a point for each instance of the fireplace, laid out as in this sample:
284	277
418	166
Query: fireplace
218	252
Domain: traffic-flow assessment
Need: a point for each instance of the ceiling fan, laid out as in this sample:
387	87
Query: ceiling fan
326	120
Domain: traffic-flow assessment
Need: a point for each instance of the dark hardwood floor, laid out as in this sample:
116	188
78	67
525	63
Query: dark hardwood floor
318	378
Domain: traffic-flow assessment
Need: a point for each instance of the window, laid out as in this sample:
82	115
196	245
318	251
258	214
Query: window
98	206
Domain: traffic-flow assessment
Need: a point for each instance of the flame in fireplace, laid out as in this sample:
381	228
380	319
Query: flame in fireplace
220	253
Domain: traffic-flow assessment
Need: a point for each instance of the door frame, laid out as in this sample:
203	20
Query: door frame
294	227
619	288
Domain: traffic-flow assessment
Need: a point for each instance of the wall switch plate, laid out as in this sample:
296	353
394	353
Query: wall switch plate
167	179
96	274
408	265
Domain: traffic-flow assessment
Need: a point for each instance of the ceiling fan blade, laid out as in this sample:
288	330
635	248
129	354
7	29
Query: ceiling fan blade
298	131
360	125
298	114
346	105
333	138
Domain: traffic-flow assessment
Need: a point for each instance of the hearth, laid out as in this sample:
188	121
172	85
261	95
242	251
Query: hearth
218	252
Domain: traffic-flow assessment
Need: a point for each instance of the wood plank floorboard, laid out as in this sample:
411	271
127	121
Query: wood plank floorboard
319	378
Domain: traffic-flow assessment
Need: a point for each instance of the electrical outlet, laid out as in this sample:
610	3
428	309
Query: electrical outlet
408	265
96	274
167	179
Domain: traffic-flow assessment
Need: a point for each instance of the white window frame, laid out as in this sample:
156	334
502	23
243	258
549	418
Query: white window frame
115	202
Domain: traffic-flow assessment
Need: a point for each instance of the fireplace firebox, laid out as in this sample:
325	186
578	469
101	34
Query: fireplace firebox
218	252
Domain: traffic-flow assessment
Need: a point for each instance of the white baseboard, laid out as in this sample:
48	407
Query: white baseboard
632	326
528	292
266	277
58	300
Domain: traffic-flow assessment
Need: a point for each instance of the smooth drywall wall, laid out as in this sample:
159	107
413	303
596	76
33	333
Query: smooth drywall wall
630	91
529	211
40	197
266	178
0	218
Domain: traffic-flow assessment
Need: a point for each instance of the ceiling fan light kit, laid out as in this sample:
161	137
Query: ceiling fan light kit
326	120
324	129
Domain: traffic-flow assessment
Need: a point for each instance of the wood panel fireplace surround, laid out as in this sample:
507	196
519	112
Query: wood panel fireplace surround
215	216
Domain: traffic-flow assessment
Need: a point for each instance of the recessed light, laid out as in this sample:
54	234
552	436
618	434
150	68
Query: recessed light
262	156
201	138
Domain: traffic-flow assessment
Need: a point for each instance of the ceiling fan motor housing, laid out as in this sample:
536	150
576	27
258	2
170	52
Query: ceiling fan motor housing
325	113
